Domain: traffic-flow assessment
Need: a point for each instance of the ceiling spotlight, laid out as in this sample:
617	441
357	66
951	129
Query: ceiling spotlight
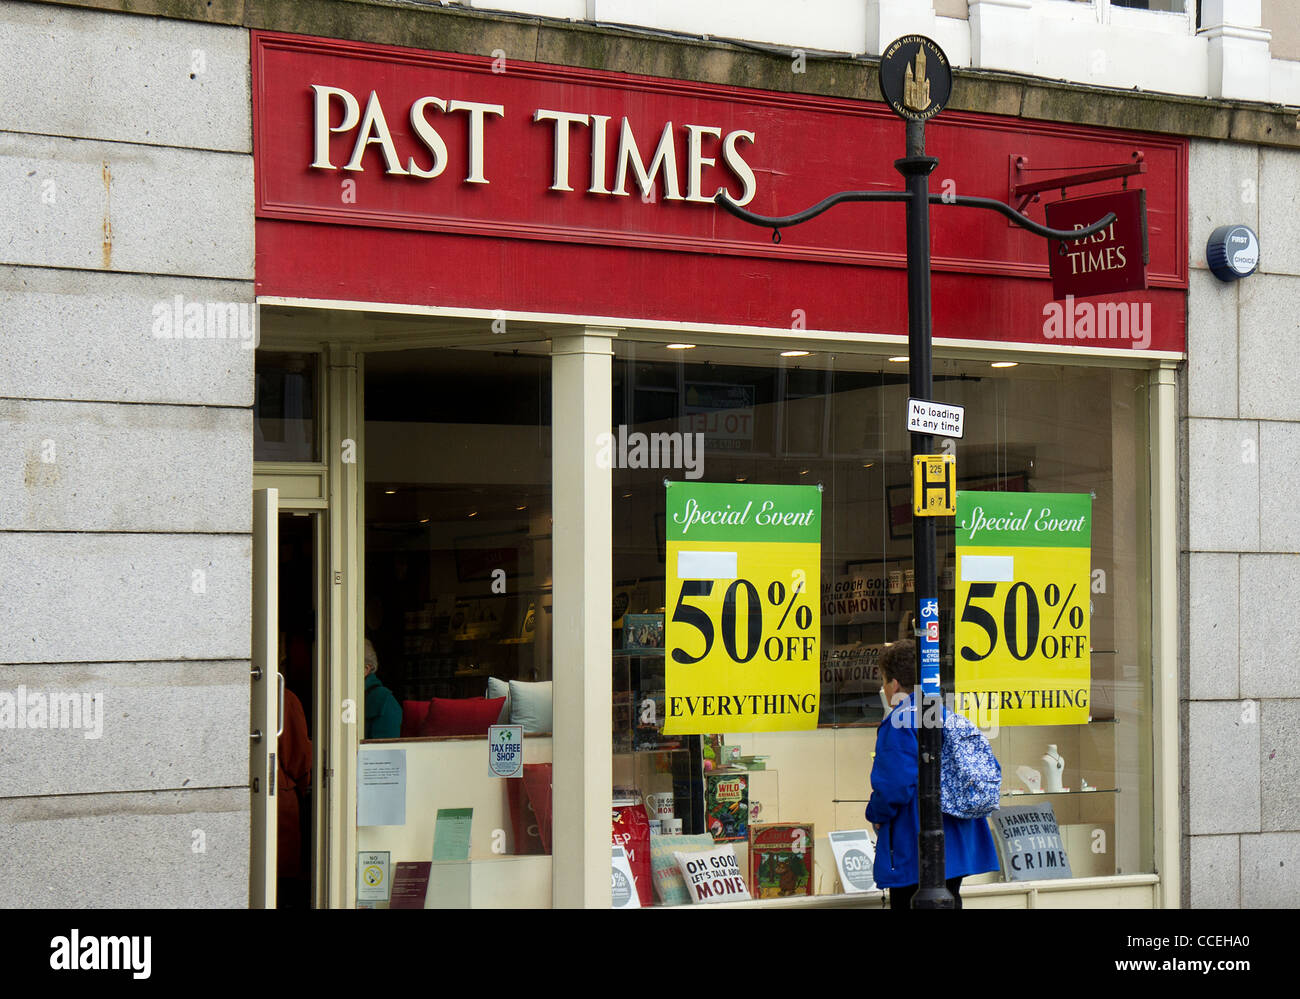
899	360
742	478
473	513
424	520
390	492
523	507
1004	364
681	346
795	353
803	471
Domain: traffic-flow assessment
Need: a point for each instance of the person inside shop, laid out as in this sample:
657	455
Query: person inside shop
293	764
383	713
893	810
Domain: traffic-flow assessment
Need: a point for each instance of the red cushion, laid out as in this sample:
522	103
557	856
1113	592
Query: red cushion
413	715
461	716
537	782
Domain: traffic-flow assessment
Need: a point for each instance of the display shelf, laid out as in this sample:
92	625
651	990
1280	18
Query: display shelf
1057	794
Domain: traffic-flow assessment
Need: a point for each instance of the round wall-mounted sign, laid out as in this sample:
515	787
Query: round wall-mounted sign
915	78
1232	252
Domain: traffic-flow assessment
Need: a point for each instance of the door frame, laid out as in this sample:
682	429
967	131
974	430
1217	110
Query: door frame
332	489
265	715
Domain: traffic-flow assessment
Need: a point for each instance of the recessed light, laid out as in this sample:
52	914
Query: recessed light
681	346
473	513
803	471
1004	364
390	492
425	520
524	507
899	360
742	478
867	464
627	495
795	353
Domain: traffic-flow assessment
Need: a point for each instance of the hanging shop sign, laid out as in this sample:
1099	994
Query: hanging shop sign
742	638
1023	649
1110	262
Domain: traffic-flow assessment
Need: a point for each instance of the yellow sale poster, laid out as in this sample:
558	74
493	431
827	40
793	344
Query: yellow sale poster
743	625
1023	645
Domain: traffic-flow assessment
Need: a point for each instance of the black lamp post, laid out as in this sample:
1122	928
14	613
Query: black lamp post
915	80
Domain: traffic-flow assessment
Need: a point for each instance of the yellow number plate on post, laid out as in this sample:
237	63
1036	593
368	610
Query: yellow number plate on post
934	485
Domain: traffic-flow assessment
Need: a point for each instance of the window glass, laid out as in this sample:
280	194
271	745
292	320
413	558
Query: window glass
284	407
457	464
838	422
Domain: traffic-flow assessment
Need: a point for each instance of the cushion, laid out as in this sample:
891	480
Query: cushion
413	715
523	820
530	705
499	688
712	875
669	885
461	716
527	704
537	782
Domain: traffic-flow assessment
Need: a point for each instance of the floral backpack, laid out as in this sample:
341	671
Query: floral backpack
970	775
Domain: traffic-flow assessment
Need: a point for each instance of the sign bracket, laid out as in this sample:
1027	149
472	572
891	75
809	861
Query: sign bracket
1030	190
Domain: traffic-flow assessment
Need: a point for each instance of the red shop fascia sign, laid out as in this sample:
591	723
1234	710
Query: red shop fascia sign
401	176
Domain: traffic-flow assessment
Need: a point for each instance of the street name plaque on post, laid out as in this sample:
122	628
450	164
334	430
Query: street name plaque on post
915	78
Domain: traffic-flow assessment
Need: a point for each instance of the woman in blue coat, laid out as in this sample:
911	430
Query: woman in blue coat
968	846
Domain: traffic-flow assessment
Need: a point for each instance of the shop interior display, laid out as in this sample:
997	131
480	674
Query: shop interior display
1053	769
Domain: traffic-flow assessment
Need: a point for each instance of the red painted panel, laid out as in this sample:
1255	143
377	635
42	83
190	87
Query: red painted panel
513	244
380	265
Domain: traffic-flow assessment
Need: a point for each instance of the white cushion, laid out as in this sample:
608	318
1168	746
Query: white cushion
499	688
712	875
527	704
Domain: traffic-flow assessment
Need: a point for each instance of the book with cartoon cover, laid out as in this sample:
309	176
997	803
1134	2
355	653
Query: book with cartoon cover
726	806
780	859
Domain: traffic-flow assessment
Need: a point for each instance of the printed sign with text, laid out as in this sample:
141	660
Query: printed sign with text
1023	644
742	642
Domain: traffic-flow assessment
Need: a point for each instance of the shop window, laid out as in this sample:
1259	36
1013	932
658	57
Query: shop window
457	468
838	422
284	407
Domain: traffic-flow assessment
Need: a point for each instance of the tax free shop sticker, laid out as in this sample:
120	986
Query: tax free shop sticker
742	629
